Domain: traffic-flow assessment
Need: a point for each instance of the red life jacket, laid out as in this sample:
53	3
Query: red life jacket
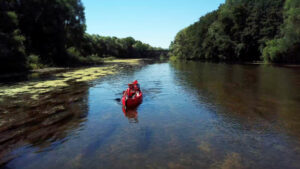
132	88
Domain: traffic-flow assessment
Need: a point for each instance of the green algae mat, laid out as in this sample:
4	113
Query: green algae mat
62	80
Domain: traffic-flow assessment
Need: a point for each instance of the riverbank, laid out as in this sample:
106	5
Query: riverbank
63	77
288	65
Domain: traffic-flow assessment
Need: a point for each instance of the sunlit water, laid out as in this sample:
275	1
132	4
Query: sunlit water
194	115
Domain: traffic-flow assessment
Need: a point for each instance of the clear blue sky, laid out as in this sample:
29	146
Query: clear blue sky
155	22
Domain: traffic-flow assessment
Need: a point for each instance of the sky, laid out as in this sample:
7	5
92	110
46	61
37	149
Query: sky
155	22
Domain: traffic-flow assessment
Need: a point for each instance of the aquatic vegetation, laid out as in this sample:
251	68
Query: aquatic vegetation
128	61
34	89
205	147
232	160
88	74
61	80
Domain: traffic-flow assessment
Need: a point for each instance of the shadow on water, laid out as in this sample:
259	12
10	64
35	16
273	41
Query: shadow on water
102	138
43	124
145	139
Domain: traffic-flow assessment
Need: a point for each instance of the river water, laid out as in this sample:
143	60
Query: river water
194	115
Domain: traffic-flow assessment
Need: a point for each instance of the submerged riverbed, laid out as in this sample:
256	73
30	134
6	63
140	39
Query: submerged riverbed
194	115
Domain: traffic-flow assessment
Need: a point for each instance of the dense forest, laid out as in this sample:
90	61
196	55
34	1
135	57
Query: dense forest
242	31
43	32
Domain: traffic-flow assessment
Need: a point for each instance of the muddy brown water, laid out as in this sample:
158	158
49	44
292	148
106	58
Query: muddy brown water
194	115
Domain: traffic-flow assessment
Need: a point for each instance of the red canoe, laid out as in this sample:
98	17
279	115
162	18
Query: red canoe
134	101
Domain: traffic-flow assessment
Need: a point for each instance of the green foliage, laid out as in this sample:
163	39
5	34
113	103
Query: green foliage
51	27
91	60
12	50
286	48
111	46
73	52
76	58
272	50
34	62
238	31
54	30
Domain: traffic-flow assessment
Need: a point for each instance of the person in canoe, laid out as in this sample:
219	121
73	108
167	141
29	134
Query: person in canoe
132	96
132	89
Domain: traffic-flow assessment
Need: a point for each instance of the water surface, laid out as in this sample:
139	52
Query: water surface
194	115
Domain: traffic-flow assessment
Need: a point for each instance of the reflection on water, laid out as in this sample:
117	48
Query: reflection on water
131	114
43	124
256	95
194	115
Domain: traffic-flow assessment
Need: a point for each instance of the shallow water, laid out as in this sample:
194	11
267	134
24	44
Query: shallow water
194	115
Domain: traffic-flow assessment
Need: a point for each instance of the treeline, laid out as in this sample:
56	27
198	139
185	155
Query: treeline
243	30
52	33
95	45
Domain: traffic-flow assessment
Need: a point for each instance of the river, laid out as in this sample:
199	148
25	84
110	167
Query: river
194	115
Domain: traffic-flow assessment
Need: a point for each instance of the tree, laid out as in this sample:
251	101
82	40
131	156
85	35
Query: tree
238	31
51	27
53	32
287	47
12	50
